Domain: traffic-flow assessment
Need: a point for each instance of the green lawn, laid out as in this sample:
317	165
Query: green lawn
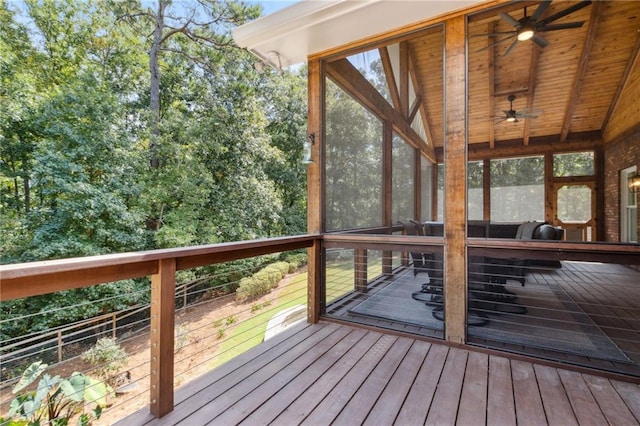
249	333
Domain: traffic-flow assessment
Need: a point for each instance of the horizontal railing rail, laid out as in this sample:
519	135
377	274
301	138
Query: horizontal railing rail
36	278
593	251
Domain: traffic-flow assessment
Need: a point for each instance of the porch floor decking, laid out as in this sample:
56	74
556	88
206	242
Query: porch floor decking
330	373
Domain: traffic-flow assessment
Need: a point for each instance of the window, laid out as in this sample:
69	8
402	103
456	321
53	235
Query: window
517	189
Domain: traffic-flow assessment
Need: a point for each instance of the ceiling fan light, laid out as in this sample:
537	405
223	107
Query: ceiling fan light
525	33
511	119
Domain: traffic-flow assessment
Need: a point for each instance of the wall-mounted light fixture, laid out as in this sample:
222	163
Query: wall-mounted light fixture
634	182
306	148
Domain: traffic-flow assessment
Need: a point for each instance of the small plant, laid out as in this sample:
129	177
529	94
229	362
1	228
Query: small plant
221	333
231	320
56	400
217	323
108	358
256	307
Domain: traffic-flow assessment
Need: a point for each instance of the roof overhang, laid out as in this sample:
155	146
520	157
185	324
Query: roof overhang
288	36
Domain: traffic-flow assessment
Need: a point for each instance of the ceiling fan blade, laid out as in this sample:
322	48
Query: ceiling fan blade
513	46
566	26
565	12
540	10
539	41
499	33
493	44
509	19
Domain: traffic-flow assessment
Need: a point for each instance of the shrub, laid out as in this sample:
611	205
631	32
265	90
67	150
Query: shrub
108	358
295	261
262	281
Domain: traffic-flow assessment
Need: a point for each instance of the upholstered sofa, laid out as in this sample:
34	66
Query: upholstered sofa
502	269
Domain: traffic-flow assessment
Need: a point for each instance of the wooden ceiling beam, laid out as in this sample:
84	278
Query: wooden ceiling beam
540	145
415	108
390	76
350	80
596	8
622	84
424	109
533	79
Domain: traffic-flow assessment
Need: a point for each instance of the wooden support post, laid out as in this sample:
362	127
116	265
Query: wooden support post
315	189
387	190
315	295
455	202
360	268
486	189
163	286
598	159
550	213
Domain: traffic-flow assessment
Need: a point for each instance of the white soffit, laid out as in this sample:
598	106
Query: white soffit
313	26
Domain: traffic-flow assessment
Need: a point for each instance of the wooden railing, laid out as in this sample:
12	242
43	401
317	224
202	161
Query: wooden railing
37	278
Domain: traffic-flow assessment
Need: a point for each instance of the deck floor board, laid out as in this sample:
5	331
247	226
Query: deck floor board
338	374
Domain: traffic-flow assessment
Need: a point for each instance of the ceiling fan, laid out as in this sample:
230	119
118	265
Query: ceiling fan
512	116
530	27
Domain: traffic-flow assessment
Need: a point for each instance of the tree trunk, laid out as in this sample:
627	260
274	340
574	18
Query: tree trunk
27	195
154	96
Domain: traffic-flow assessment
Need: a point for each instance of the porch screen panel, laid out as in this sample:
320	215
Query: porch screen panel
403	180
440	194
517	189
353	163
426	168
474	191
573	164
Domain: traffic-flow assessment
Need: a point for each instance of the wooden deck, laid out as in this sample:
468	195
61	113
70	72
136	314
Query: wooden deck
593	302
330	373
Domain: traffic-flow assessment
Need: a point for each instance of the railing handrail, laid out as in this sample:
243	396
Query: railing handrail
624	253
42	277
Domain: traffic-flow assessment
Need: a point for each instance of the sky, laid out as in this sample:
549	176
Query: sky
270	6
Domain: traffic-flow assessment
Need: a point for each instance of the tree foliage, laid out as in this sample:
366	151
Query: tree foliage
106	148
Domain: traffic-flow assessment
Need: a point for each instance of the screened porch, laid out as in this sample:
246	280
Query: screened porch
482	192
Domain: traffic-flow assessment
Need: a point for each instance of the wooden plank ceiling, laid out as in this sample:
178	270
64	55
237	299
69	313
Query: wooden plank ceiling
576	83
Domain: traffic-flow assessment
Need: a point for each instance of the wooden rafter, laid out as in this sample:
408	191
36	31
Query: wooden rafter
415	107
596	8
631	64
424	110
533	78
349	79
390	77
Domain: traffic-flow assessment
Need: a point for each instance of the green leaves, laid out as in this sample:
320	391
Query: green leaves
75	133
55	399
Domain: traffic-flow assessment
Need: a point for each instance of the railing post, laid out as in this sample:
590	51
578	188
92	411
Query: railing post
163	286
360	268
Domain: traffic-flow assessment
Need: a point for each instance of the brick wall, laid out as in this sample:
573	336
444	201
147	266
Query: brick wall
618	155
